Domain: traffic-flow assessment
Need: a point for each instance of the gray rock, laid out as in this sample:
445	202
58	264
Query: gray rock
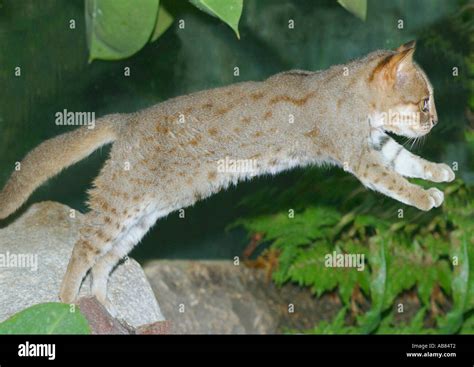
217	297
47	232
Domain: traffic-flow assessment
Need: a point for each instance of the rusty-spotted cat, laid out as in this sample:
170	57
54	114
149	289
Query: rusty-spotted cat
165	157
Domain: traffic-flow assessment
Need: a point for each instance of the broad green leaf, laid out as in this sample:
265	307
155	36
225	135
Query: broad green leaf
470	291
356	7
460	286
229	11
163	22
46	318
468	326
117	29
379	274
460	280
451	322
371	320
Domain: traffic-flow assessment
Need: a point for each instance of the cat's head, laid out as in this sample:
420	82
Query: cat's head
403	98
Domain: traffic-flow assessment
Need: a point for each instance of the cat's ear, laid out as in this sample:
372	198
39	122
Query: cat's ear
402	62
395	68
406	46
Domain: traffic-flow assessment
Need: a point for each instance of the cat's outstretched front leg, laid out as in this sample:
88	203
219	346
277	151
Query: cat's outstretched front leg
374	174
408	164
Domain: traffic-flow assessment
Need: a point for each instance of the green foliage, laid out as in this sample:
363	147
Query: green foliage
46	318
401	255
228	11
378	286
163	22
356	7
462	283
337	326
415	326
117	29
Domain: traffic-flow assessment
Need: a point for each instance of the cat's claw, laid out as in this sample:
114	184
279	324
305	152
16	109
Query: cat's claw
431	198
436	197
448	173
443	173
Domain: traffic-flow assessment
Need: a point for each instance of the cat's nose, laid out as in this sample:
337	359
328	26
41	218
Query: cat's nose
434	122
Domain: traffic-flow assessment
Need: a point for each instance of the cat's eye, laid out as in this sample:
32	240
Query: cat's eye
425	104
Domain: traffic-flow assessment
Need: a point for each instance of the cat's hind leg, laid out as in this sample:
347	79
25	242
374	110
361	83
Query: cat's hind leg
130	236
96	237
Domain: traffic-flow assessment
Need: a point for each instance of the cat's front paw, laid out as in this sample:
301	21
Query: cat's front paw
431	198
441	173
436	197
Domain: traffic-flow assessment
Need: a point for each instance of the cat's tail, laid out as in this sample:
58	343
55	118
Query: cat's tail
52	156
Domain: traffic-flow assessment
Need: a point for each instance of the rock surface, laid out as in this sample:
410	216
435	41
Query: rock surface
47	232
207	297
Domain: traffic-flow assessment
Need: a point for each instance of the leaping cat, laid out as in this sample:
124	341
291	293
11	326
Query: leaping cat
166	157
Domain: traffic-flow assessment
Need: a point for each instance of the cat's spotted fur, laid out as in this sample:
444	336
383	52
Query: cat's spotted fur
165	157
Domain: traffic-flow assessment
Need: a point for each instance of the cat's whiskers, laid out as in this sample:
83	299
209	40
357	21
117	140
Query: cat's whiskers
413	144
408	140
